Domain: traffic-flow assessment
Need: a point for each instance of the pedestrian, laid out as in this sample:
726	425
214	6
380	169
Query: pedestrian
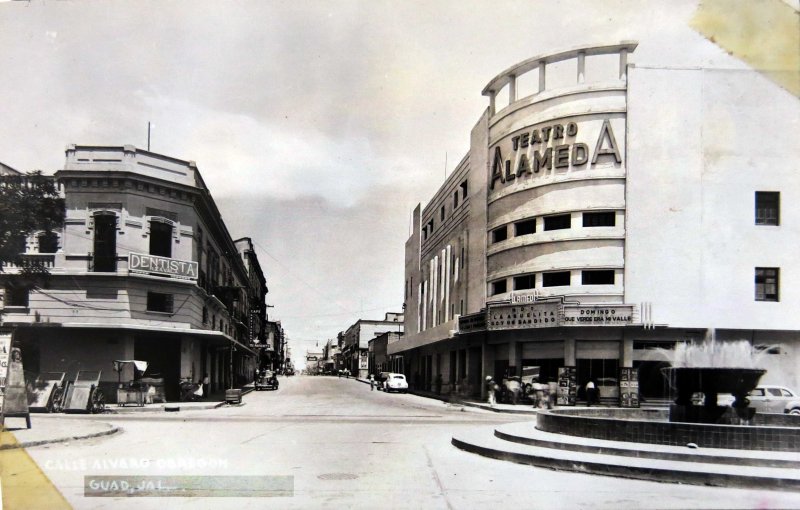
438	383
371	382
591	393
491	387
206	382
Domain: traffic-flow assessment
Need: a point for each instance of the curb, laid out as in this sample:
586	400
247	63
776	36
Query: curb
637	473
28	444
173	407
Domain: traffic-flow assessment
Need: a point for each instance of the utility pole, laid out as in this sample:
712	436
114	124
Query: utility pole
148	136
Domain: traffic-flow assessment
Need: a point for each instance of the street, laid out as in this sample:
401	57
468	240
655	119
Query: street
345	446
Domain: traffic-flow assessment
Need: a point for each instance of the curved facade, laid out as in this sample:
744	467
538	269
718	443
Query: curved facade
611	209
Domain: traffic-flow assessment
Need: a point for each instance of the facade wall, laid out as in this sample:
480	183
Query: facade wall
602	201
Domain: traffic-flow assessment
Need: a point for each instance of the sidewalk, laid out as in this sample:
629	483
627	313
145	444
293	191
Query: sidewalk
46	429
456	400
214	400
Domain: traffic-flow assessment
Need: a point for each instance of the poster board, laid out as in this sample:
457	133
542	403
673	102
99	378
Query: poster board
567	386
629	387
5	352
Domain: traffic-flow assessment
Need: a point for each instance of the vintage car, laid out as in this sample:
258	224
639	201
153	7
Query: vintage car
395	382
266	380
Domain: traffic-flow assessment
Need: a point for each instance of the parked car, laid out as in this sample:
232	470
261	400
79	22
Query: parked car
608	387
395	382
774	399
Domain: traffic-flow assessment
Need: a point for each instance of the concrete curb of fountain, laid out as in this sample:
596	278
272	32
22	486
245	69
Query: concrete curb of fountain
694	473
112	429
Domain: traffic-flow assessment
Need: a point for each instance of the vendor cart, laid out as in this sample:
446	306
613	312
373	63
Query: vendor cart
46	393
134	391
85	396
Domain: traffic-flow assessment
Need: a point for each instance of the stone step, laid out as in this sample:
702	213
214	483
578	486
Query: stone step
483	442
526	433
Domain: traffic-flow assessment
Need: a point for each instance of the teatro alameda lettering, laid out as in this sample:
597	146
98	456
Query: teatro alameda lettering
545	148
162	266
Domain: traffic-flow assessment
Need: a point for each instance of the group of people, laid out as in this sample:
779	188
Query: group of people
540	392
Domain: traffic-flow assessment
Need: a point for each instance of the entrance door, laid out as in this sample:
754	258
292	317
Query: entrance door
163	357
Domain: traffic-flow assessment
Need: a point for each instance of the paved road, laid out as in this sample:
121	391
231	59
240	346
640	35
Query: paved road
346	447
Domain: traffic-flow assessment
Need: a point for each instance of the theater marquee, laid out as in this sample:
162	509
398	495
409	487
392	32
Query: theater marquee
557	314
162	266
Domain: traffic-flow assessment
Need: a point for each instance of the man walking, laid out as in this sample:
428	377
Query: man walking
371	382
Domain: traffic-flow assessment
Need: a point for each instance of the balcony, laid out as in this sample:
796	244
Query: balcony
30	262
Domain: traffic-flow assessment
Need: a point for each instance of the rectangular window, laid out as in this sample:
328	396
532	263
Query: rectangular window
523	228
464	191
500	234
527	281
441	214
48	242
598	277
768	207
499	287
559	222
767	280
16	296
160	239
555	279
455	199
105	243
158	302
599	219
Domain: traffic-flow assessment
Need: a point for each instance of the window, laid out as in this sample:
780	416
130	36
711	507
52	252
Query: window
158	302
500	234
105	243
556	279
523	228
464	191
768	207
767	283
455	199
559	222
441	214
527	281
48	242
499	287
205	315
599	219
160	238
16	296
598	277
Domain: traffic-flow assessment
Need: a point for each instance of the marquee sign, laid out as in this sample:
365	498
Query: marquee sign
162	266
539	315
551	314
598	315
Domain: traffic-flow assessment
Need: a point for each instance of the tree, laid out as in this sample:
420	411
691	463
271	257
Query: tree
28	203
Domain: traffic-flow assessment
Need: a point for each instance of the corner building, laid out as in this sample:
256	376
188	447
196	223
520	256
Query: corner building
592	222
144	268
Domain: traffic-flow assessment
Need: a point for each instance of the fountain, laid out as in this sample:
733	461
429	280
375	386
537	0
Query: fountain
712	368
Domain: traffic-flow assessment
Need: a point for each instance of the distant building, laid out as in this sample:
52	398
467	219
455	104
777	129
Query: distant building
355	347
594	221
145	269
379	360
6	170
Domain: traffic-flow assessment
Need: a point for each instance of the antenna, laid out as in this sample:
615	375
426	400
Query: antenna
445	166
148	135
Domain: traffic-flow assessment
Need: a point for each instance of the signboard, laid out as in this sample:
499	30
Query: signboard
251	325
5	351
551	314
629	387
567	392
472	323
162	266
539	315
597	315
363	361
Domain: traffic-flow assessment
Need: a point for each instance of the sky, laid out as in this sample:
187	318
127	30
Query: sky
317	125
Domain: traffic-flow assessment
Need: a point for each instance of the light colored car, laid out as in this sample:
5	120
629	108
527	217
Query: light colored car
608	387
774	399
395	382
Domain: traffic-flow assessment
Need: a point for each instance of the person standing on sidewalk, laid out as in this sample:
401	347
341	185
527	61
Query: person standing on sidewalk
490	390
371	382
206	382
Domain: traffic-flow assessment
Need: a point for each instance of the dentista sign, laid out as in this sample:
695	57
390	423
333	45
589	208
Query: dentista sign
547	148
162	266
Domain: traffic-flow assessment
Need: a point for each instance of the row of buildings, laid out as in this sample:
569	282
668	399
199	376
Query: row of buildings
362	348
594	224
144	268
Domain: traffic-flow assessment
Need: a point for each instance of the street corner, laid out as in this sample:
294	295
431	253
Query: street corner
48	430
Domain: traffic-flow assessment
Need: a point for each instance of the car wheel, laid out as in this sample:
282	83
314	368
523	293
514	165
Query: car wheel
795	411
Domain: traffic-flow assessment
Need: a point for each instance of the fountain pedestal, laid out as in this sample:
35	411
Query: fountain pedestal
710	381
